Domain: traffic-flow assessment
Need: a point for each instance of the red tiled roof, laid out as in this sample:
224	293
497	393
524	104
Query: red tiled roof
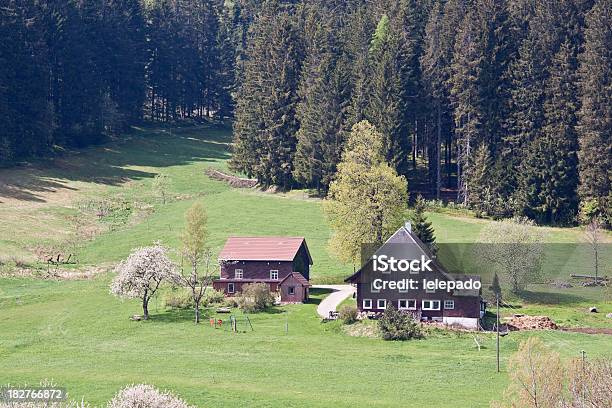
261	248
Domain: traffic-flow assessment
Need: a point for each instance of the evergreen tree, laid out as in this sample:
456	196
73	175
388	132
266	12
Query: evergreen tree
266	125
481	183
421	226
595	116
386	108
321	111
466	97
548	176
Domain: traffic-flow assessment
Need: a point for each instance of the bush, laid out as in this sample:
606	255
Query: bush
213	297
395	325
255	297
143	395
178	299
348	314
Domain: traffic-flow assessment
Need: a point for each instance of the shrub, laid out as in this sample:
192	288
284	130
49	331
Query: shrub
178	299
255	297
395	325
143	395
213	297
348	314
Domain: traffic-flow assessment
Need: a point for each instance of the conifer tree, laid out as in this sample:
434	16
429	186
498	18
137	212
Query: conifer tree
266	125
321	111
421	226
595	116
465	95
386	108
548	176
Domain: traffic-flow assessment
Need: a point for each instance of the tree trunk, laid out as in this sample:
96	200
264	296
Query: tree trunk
145	307
197	312
438	144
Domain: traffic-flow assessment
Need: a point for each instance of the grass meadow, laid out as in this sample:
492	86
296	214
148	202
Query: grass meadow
98	204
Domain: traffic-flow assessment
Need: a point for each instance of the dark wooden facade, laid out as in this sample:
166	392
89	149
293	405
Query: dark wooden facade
285	270
462	307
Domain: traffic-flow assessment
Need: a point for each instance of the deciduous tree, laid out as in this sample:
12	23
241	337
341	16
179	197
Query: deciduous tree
141	274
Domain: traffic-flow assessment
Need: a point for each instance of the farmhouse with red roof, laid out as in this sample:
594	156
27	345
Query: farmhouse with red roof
283	263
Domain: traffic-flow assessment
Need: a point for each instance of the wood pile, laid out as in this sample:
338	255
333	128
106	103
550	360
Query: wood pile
231	180
524	322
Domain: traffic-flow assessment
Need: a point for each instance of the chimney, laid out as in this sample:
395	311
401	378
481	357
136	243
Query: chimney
408	226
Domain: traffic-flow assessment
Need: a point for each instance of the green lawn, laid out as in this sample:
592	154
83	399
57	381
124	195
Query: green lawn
77	334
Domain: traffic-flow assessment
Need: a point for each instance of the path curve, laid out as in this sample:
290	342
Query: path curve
331	302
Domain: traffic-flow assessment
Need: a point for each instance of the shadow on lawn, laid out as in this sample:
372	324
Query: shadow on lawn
106	164
549	298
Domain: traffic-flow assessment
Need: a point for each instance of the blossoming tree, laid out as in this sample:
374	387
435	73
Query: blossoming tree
141	274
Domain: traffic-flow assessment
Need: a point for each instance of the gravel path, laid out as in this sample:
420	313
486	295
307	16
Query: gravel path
331	302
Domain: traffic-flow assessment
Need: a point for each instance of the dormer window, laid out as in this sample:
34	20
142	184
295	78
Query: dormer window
238	273
274	274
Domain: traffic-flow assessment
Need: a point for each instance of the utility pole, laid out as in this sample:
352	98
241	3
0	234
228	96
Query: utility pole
497	325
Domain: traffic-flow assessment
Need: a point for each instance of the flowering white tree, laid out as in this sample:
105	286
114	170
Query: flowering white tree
143	395
141	274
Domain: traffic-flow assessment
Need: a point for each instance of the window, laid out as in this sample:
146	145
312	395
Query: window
273	274
449	304
406	304
292	290
230	288
431	305
367	303
429	290
238	273
381	303
372	289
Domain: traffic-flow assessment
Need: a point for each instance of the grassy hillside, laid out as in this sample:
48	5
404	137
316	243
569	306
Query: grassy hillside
98	203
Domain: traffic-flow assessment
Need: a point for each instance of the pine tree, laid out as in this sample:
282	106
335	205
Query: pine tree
321	111
421	226
466	97
595	123
481	182
266	125
548	176
386	108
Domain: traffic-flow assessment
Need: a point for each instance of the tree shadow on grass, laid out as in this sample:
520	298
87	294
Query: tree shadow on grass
550	298
109	164
316	292
179	316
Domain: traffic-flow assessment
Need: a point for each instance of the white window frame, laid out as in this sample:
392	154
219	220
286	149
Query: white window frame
372	290
291	290
450	303
274	271
238	273
378	303
408	307
431	302
231	285
368	302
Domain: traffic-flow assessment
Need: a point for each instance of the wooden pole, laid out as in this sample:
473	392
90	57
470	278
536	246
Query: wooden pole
497	300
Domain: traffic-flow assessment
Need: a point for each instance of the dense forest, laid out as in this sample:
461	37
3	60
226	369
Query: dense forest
501	105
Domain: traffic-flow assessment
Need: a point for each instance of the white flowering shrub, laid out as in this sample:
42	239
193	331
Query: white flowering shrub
143	395
141	274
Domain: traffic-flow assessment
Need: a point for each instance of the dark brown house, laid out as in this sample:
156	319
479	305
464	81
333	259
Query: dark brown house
283	263
461	307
